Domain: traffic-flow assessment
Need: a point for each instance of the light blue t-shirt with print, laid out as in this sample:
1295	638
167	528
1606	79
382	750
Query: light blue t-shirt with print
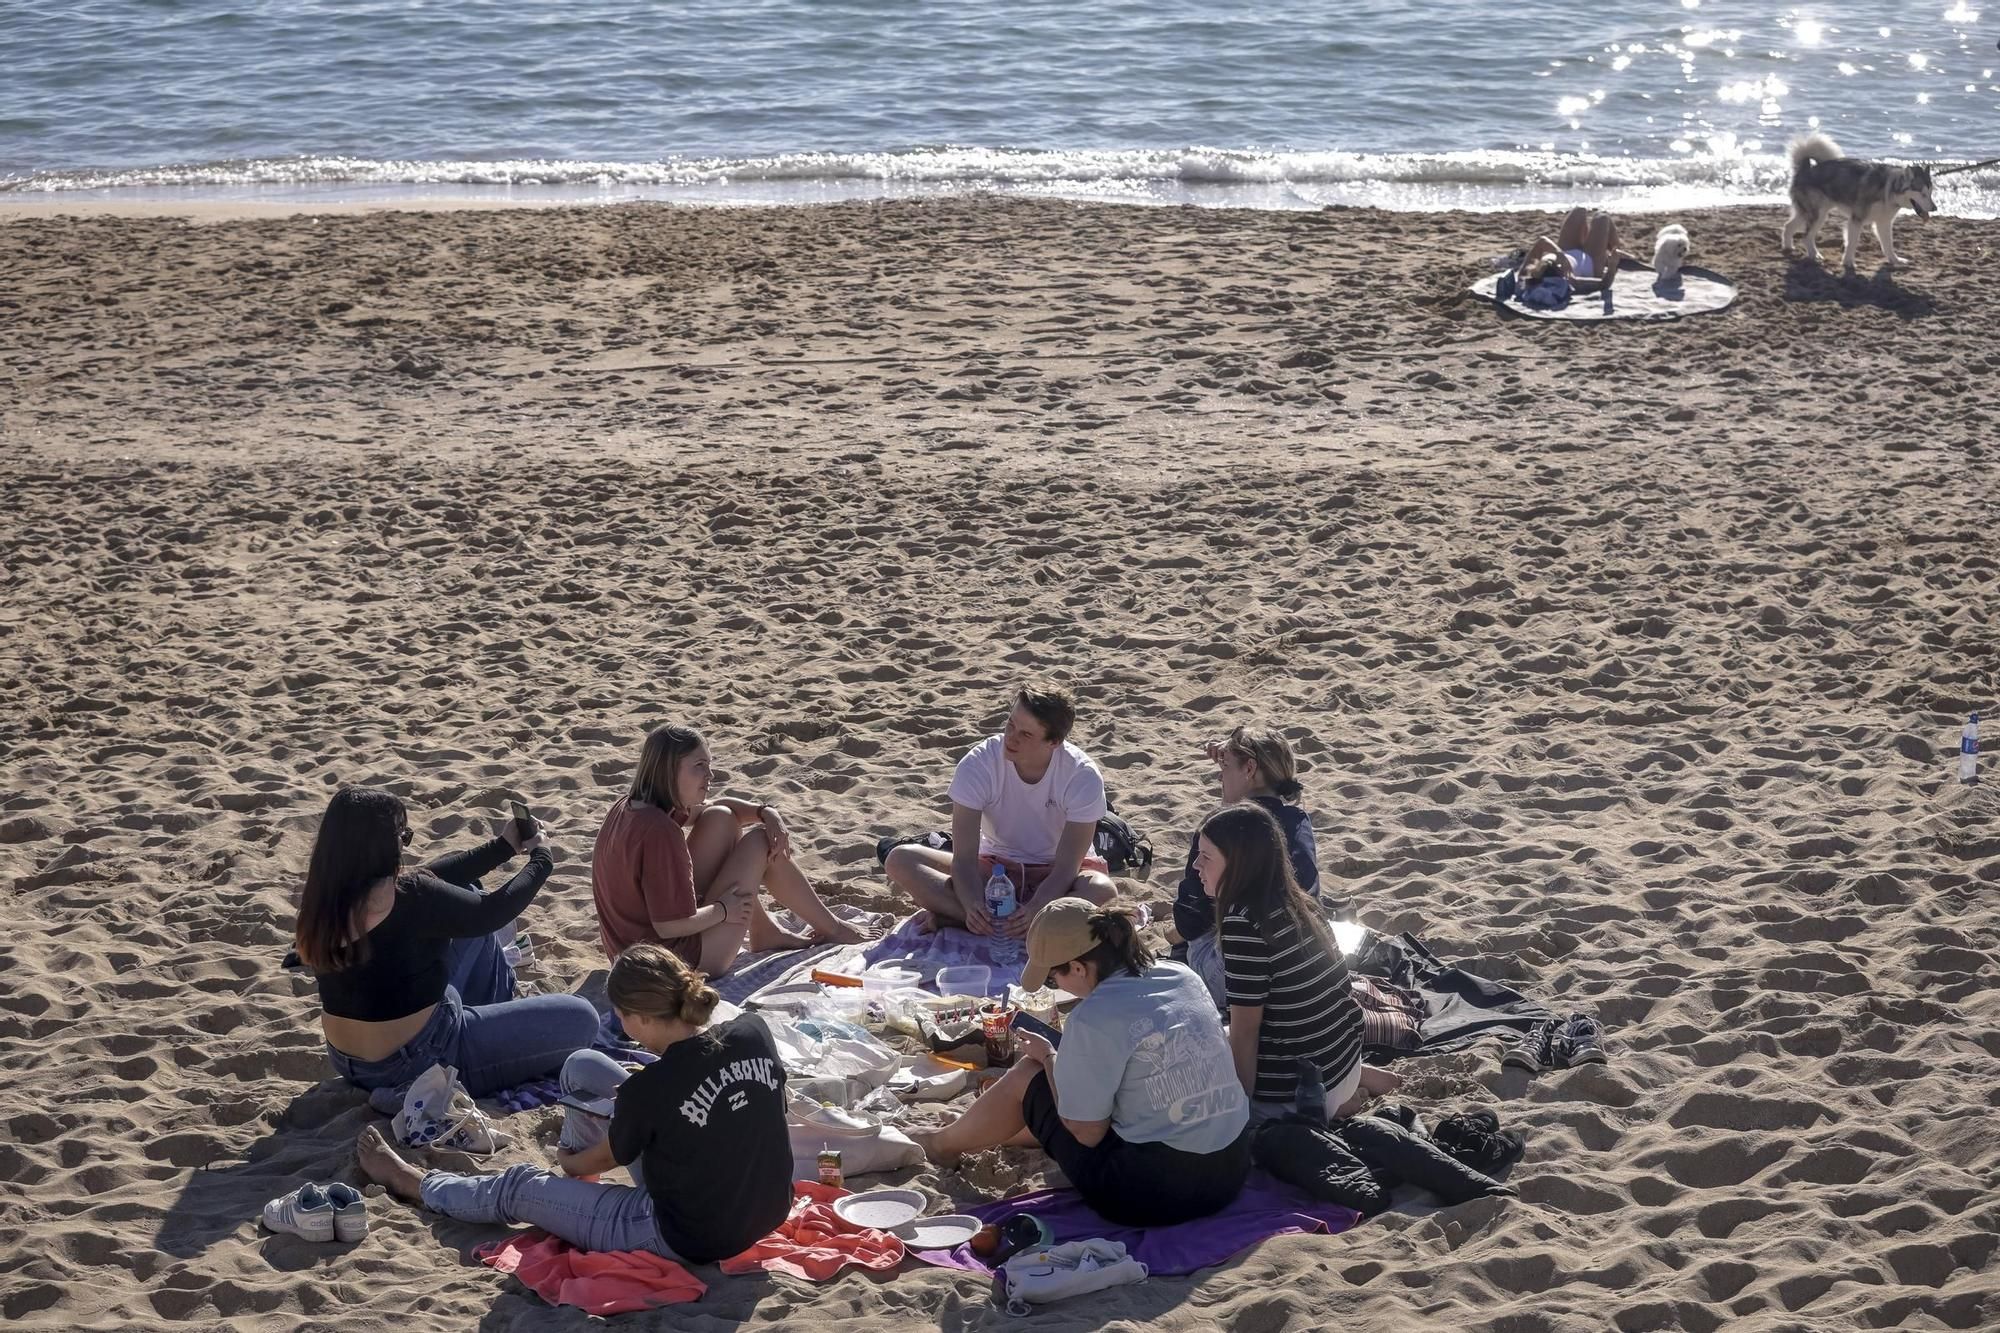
1149	1054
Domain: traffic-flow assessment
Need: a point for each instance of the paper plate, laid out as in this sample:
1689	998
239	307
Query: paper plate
939	1233
880	1210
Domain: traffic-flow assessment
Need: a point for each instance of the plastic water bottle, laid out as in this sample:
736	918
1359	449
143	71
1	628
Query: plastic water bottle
1000	899
1968	751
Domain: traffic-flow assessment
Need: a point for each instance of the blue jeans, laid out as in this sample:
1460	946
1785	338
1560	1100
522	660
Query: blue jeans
1204	955
478	970
587	1214
492	1046
592	1076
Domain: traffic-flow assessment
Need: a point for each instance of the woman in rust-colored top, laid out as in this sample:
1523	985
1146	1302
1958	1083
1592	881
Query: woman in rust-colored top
673	866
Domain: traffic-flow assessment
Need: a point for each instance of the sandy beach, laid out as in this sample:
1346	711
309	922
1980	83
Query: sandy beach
1625	663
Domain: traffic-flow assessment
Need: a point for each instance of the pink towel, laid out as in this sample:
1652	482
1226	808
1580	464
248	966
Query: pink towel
611	1282
815	1242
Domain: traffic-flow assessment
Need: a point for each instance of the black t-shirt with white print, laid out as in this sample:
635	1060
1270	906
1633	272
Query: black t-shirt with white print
707	1123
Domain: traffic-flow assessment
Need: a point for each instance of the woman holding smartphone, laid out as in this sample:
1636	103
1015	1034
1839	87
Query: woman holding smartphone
380	942
676	866
1141	1107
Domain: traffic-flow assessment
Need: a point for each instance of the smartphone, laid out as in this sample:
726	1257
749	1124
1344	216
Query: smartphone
524	823
1027	1022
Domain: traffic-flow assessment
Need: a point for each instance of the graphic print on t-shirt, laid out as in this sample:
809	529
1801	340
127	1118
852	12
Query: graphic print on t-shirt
700	1104
1180	1080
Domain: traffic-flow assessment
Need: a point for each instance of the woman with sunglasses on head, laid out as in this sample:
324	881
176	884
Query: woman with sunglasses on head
1140	1107
1252	764
384	944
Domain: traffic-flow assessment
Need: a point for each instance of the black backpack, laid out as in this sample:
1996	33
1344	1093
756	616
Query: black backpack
1121	845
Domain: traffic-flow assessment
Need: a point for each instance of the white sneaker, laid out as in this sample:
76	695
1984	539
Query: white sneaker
350	1212
306	1213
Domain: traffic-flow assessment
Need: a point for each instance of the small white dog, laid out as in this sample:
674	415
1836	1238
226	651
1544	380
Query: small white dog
1670	252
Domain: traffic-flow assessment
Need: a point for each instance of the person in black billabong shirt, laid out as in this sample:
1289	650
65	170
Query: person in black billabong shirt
703	1126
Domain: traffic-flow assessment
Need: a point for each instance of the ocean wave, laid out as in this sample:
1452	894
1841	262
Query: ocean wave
1302	178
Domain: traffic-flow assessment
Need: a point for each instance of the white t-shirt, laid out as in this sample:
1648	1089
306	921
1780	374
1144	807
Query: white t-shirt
1022	823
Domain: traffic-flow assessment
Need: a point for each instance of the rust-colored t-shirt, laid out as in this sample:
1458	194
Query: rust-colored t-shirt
640	873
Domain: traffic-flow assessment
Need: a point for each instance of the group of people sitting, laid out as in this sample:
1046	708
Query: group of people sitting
1149	1107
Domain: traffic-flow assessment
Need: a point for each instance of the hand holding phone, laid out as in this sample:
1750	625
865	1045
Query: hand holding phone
1026	1022
525	828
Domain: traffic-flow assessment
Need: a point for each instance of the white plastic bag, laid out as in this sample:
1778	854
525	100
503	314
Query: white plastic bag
865	1146
439	1113
1057	1272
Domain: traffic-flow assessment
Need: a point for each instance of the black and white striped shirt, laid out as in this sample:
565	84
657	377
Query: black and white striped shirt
1308	1002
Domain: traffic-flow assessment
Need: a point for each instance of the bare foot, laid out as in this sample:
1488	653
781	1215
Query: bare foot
381	1163
842	932
927	1140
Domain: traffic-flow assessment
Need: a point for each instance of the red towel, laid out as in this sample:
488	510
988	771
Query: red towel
815	1242
611	1282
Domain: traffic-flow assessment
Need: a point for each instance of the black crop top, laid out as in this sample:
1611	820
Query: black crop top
404	971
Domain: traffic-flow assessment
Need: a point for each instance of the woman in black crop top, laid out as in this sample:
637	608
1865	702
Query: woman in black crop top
382	941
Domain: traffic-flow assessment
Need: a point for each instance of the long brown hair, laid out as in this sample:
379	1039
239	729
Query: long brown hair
1257	873
358	846
651	980
659	764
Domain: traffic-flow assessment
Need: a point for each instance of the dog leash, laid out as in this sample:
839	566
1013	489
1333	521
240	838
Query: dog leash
1970	166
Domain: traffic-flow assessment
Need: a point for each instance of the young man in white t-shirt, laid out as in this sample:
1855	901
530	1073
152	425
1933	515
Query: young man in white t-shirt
1026	799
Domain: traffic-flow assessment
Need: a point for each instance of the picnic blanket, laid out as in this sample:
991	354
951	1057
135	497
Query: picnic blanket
1267	1207
815	1242
924	951
599	1283
752	972
1635	294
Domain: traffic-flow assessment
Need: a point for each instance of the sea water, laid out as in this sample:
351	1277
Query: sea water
1673	103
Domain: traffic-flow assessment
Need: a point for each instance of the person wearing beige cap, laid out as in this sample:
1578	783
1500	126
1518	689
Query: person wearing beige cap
1141	1108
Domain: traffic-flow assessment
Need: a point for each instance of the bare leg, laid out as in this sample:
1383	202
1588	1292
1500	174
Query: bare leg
1600	242
381	1163
925	874
1094	885
992	1120
790	888
1374	1083
1573	227
711	838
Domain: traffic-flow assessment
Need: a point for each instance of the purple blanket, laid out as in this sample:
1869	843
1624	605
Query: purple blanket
1265	1208
927	951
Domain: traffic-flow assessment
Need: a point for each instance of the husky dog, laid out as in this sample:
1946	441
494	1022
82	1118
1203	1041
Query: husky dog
1670	251
1868	193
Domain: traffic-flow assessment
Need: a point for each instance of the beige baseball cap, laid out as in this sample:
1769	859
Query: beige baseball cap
1060	933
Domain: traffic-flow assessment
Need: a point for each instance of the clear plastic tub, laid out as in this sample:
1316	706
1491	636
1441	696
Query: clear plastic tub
966	979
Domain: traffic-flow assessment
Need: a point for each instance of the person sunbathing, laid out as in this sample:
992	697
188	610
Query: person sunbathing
383	945
1026	800
1585	253
674	865
1286	981
704	1126
1140	1107
1251	765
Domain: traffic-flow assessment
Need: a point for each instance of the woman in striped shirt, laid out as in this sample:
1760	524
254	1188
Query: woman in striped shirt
1290	999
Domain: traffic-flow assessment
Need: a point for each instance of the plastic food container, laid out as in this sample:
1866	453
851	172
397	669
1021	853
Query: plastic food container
968	979
883	978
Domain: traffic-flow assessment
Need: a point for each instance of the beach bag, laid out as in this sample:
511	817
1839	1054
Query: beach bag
865	1147
1057	1272
1120	844
937	842
439	1113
